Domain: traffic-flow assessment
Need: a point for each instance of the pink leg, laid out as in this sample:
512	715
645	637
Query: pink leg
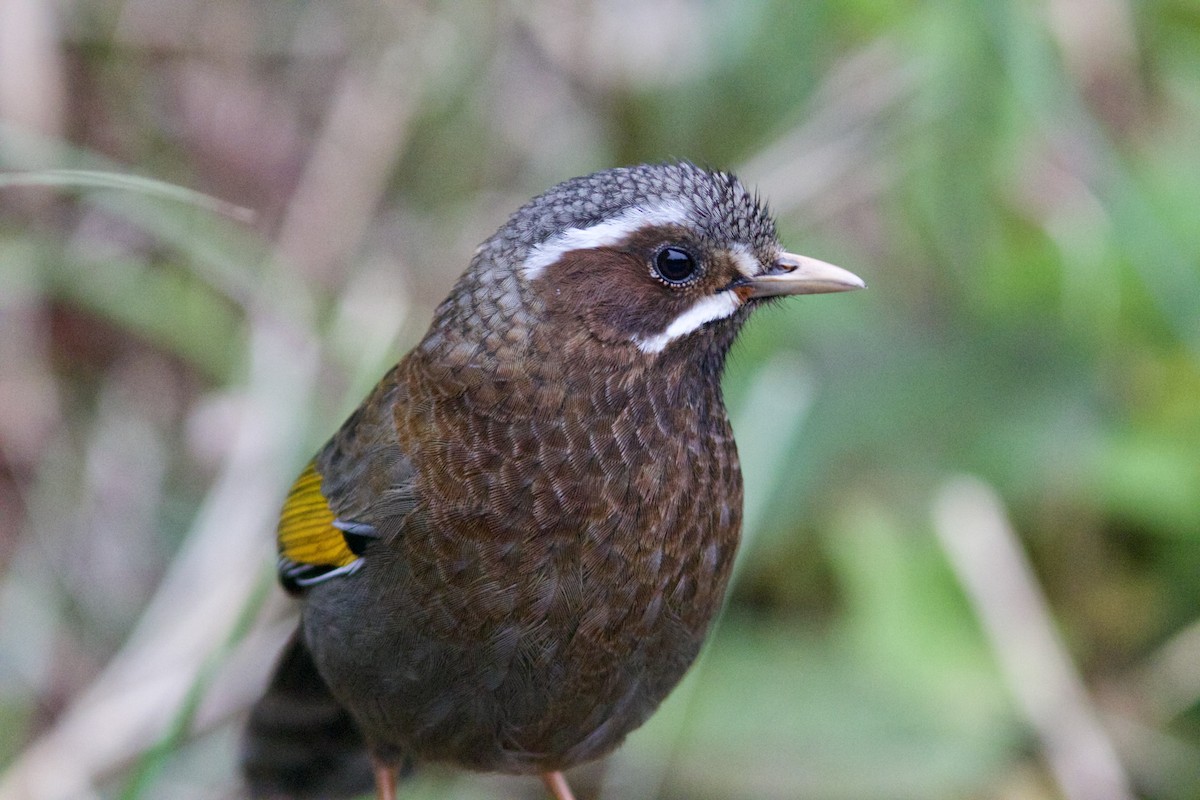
385	782
557	784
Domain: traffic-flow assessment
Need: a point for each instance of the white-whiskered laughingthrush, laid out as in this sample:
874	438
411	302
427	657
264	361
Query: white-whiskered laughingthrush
513	550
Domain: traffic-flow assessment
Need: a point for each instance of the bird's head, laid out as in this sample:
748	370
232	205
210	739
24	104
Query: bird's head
640	261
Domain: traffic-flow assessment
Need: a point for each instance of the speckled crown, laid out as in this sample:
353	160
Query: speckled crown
490	303
733	214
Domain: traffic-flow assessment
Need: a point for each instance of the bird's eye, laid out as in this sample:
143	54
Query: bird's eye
674	265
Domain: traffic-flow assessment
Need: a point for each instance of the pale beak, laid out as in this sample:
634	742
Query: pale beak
793	274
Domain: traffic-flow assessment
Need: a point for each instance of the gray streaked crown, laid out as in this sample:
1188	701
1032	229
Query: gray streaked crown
720	205
490	303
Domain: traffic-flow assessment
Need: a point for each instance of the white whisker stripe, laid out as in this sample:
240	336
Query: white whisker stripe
704	311
603	234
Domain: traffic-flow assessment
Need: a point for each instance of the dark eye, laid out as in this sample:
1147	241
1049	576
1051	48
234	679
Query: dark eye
675	265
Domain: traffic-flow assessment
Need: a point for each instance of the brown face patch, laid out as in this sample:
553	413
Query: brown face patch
614	291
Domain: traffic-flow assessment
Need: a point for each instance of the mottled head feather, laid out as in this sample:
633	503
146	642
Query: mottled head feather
492	299
720	207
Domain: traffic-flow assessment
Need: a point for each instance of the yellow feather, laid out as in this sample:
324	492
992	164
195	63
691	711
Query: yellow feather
306	534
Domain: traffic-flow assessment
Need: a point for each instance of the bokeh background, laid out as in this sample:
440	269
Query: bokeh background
972	556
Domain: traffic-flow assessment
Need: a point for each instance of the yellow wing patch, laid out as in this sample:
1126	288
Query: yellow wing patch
306	534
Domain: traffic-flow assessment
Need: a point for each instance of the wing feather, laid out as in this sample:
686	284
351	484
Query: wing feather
359	483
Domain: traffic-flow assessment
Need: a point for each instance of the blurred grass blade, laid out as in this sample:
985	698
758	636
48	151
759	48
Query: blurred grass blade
94	179
988	558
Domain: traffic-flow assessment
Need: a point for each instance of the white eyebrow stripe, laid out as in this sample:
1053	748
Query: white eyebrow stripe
603	234
704	311
745	260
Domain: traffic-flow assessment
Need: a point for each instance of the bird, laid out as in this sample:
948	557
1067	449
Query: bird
512	551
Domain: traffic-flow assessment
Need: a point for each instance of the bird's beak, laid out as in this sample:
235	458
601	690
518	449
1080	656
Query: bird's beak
793	274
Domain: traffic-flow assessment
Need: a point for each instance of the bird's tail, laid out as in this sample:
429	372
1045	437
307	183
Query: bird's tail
299	742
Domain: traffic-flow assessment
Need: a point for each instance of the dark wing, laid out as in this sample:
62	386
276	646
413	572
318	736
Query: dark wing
357	490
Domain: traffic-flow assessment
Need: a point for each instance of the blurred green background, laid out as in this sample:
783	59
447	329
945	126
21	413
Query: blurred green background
972	556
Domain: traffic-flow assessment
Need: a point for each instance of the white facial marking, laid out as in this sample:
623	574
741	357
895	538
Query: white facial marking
745	260
705	310
603	234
